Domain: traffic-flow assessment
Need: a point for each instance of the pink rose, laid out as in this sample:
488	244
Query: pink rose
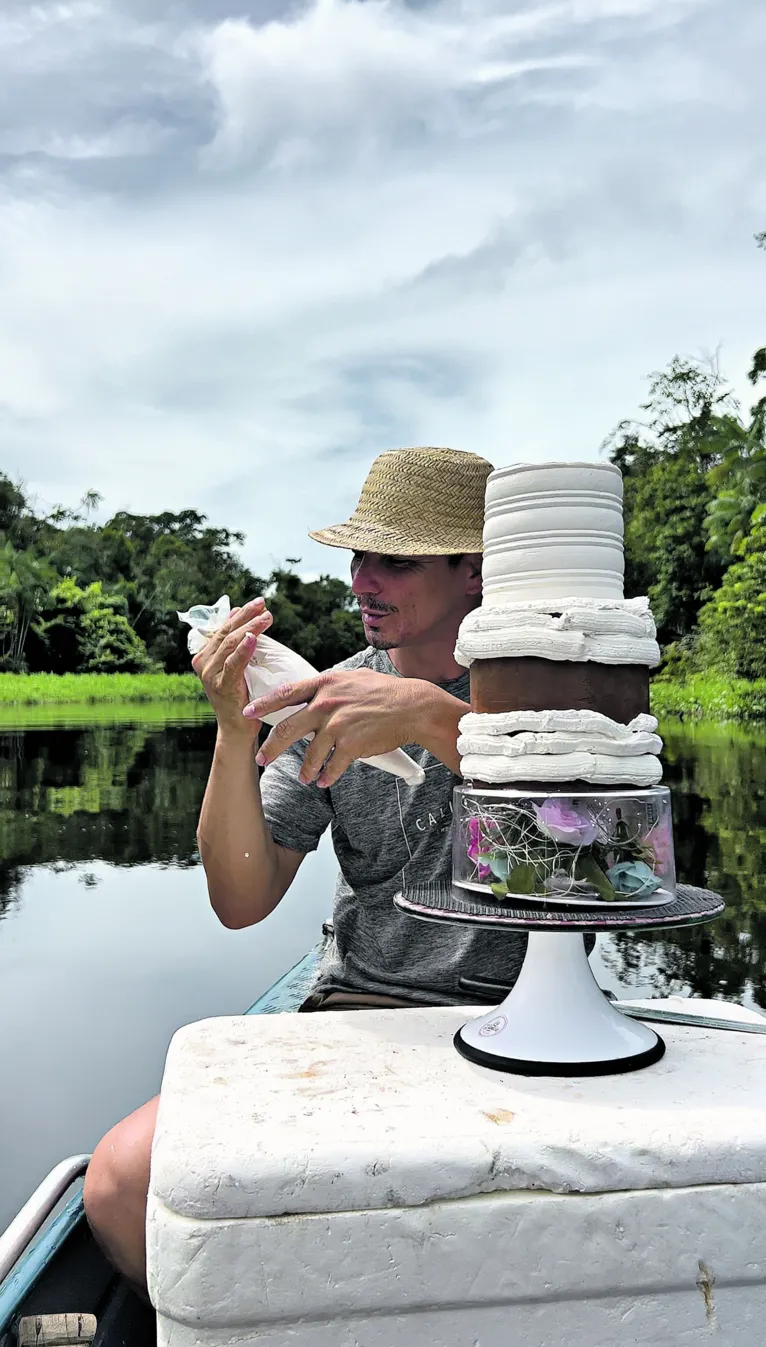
560	820
478	844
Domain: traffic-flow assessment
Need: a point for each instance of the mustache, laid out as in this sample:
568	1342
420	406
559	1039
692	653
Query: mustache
374	605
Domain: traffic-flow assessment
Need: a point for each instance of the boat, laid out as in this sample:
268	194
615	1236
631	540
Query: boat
56	1286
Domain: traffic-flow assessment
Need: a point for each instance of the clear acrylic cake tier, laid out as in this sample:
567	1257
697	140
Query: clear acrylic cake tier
595	848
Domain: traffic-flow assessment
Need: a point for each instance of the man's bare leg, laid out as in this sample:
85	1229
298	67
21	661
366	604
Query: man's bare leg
116	1189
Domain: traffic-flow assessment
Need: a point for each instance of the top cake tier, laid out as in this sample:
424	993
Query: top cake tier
553	531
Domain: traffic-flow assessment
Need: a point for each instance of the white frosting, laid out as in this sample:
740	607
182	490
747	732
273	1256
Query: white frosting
630	617
520	745
574	722
551	530
616	631
597	768
559	746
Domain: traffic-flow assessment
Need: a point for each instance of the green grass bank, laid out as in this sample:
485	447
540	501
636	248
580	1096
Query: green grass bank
711	697
90	689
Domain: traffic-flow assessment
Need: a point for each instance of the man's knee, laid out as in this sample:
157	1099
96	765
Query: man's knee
117	1179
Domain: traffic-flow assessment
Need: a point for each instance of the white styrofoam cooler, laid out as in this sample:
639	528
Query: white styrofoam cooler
347	1180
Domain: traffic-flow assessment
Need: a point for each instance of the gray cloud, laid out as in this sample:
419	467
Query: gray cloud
245	247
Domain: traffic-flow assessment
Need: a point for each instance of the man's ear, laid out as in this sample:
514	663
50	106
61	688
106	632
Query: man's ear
473	582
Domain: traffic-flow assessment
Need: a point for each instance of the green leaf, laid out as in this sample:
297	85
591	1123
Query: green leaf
499	890
587	869
521	879
499	866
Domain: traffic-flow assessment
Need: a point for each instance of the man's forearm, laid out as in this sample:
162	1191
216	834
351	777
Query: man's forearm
245	871
439	730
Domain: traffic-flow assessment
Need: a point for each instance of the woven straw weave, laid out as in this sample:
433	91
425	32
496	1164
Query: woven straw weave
417	502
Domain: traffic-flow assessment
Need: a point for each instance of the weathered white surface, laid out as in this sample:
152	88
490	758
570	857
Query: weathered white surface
267	1115
346	1179
531	1269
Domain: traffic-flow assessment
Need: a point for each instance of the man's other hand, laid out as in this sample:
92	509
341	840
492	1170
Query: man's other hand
353	713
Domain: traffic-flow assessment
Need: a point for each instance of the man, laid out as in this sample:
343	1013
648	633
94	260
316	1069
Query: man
416	539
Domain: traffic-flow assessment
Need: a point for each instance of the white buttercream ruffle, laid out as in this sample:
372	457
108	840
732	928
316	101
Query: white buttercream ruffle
559	746
601	769
519	745
616	631
572	722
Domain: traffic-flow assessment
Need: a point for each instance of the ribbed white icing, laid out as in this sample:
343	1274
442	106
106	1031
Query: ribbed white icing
559	746
597	768
618	631
551	530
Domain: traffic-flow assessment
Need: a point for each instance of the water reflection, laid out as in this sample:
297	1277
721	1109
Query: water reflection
128	794
718	778
108	942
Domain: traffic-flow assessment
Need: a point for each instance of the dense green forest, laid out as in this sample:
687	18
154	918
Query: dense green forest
77	596
80	597
695	518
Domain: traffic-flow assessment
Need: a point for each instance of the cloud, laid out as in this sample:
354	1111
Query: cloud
245	248
345	74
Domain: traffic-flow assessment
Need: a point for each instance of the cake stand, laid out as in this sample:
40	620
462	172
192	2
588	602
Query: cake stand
556	1021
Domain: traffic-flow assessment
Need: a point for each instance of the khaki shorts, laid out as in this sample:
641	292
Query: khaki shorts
354	1001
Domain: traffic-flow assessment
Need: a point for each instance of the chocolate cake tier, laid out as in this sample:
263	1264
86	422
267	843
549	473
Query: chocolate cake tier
620	691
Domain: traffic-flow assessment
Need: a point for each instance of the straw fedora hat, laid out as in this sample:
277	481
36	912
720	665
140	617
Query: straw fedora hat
417	502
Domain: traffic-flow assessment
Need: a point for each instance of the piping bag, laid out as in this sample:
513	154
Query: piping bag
272	665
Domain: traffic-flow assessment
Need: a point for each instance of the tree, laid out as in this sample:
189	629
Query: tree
86	631
315	617
739	479
24	580
733	623
665	461
76	595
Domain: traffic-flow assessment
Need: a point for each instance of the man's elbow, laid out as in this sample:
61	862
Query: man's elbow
237	916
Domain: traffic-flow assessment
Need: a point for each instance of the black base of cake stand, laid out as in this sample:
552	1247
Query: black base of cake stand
556	1021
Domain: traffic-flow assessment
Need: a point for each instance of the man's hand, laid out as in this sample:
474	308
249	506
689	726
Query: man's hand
221	666
352	714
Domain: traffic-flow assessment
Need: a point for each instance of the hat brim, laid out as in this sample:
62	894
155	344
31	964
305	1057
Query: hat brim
357	537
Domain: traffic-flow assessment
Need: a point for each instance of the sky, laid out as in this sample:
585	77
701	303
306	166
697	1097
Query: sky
248	245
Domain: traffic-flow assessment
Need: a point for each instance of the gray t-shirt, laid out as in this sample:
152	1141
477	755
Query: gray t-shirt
387	834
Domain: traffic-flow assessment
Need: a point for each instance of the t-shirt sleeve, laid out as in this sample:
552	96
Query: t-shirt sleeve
296	815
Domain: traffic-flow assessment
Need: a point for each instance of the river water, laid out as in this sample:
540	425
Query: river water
108	944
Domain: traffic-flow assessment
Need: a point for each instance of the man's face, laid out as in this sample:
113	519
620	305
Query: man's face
407	601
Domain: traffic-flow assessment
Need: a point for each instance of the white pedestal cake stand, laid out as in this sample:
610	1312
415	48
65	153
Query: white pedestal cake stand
557	1021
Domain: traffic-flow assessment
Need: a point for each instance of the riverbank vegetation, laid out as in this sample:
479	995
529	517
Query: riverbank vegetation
710	697
694	475
44	689
78	597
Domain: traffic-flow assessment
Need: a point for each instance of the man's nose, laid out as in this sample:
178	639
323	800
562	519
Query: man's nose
364	577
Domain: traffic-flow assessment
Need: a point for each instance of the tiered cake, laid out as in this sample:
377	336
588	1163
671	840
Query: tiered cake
559	748
562	826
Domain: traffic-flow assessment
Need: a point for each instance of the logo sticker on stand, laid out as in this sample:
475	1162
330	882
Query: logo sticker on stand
493	1027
